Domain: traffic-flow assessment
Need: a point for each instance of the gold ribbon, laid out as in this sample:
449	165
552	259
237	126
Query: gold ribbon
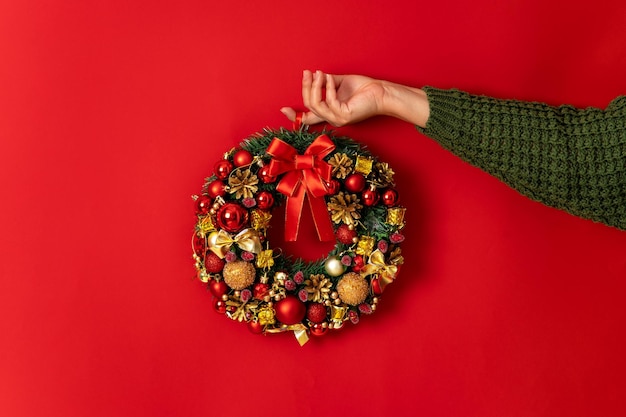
248	240
377	265
299	331
265	259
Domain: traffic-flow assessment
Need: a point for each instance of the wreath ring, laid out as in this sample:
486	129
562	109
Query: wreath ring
353	201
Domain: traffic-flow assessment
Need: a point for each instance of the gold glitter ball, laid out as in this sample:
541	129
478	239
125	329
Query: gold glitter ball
239	274
352	288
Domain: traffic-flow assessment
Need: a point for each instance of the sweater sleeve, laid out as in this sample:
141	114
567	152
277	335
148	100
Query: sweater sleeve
564	157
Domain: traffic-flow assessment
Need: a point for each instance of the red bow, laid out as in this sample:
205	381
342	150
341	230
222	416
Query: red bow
304	174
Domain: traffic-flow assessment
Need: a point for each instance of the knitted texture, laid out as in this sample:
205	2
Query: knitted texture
564	157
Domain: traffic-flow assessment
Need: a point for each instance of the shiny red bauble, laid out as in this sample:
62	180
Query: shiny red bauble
264	175
223	169
390	197
216	189
255	327
377	288
318	330
370	197
213	263
220	306
333	187
264	200
290	310
316	312
242	158
218	288
199	245
203	204
355	183
232	217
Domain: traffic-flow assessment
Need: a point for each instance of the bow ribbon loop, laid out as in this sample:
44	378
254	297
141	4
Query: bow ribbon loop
248	240
305	175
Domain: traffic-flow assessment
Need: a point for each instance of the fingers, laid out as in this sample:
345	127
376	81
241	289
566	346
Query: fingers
289	112
313	85
307	82
308	118
331	92
317	96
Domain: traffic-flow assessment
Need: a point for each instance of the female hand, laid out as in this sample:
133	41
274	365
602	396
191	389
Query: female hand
338	99
344	99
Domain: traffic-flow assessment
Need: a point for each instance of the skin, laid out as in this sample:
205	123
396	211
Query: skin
345	99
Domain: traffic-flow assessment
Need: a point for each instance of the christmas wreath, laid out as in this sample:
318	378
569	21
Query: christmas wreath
353	202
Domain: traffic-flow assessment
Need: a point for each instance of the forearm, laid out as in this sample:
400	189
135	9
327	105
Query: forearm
564	157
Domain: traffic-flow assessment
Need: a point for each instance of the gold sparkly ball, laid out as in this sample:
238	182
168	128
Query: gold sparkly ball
352	288
239	274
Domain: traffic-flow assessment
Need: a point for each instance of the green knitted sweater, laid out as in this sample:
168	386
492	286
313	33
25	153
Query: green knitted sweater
564	157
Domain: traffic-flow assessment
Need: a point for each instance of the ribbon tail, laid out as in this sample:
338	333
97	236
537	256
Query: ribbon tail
293	212
301	336
299	331
321	218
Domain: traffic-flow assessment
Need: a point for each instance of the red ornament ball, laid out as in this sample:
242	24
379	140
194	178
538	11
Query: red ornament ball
377	289
242	158
290	310
318	330
345	235
264	175
264	200
220	306
355	183
232	217
216	189
333	187
255	327
213	263
218	288
390	197
316	312
199	245
222	169
370	197
203	204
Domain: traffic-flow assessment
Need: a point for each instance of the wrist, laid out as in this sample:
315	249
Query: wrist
405	103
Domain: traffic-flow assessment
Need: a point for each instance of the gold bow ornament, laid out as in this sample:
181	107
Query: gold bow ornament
247	240
386	274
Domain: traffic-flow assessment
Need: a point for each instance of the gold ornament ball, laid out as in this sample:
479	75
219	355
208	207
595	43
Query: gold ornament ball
334	267
239	274
352	289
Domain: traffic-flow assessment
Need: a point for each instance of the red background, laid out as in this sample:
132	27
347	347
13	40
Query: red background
113	112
